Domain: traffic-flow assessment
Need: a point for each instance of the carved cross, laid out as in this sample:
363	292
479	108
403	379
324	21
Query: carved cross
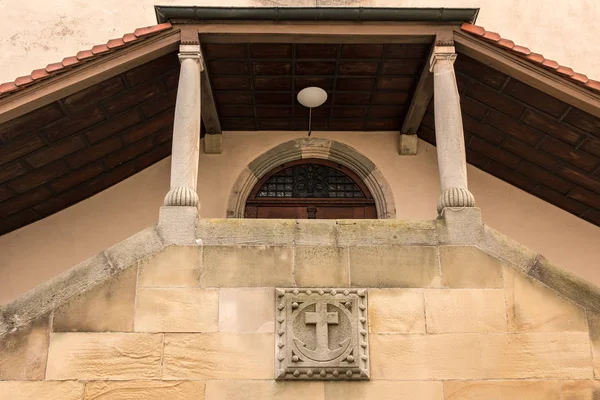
322	319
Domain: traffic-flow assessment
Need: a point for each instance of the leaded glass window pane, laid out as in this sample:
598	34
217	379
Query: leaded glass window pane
310	181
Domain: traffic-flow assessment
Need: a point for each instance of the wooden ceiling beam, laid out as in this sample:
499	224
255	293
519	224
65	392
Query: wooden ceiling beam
424	90
319	39
210	117
525	71
318	33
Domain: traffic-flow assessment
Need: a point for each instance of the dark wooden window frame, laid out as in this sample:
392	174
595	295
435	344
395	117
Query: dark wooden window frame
254	200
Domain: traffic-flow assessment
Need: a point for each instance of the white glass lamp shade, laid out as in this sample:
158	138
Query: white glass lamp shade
312	97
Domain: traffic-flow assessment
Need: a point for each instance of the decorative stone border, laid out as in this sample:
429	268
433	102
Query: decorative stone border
351	364
312	148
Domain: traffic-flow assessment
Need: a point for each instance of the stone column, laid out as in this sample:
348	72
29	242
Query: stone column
177	218
449	131
186	130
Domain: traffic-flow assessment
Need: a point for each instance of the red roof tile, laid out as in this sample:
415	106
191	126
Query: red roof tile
70	61
23	80
39	74
82	57
534	58
114	43
50	68
99	49
8	87
150	30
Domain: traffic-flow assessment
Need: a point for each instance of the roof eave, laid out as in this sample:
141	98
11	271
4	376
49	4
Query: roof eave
316	14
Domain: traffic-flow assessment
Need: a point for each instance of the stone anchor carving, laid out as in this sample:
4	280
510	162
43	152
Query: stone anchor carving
322	334
321	319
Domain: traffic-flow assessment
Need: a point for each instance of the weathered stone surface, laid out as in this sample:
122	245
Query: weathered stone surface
465	310
213	143
386	232
23	353
176	310
407	145
144	390
132	249
594	326
321	266
47	296
537	355
408	357
580	390
177	224
174	266
247	266
316	232
567	284
107	307
504	248
218	356
460	225
240	191
396	311
350	152
233	231
384	195
104	356
532	307
15	390
246	310
516	389
469	267
262	390
394	266
322	334
384	390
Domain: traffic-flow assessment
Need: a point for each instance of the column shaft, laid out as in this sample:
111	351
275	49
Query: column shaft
449	135
186	130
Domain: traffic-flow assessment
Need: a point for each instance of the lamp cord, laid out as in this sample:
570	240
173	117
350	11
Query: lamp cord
309	120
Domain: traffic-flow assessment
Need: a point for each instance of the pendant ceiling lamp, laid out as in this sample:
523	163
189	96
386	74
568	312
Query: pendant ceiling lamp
311	97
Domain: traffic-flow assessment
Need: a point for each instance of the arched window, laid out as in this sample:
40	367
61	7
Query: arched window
310	188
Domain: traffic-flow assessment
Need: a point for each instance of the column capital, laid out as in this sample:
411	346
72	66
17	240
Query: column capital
442	52
191	51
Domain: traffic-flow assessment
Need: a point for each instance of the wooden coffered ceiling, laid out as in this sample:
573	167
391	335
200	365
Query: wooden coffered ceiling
369	86
98	128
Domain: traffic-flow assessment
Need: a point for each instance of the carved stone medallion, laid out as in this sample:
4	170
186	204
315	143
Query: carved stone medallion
321	334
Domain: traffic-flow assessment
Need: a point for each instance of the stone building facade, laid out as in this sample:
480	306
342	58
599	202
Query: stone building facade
330	271
472	318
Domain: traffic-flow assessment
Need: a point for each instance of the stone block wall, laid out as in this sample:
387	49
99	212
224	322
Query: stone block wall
446	322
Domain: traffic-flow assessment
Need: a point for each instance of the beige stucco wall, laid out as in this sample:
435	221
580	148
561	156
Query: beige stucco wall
36	253
36	32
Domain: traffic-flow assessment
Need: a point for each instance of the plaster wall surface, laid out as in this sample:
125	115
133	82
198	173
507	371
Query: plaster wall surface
40	251
35	33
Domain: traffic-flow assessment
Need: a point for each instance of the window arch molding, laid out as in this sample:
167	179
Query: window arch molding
318	148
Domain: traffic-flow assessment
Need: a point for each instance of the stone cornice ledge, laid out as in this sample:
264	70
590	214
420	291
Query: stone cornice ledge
78	280
539	268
